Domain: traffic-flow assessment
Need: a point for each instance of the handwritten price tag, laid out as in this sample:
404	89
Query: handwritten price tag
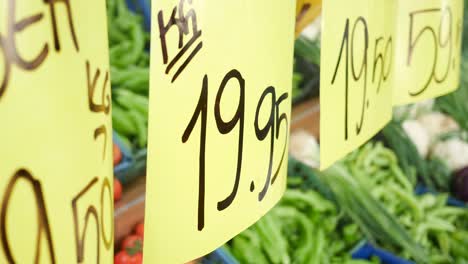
427	63
306	12
56	201
356	74
219	121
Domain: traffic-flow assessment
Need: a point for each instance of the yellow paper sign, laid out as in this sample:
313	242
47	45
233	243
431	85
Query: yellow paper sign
356	74
306	12
56	136
221	74
427	61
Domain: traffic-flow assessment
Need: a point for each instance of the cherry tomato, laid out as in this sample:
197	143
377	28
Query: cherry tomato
117	155
132	242
123	257
117	190
139	230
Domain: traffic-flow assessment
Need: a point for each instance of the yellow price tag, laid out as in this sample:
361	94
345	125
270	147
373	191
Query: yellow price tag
356	74
427	62
221	74
306	12
56	198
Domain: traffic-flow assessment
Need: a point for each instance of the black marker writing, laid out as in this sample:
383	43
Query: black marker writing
180	21
225	127
9	47
439	42
383	51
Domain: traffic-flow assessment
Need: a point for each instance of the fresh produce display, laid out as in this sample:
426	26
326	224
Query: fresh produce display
130	116
304	227
375	200
307	49
427	218
377	224
431	140
129	61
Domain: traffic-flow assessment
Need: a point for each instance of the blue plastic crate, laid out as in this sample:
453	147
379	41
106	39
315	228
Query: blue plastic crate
366	250
142	7
420	189
127	159
137	169
219	256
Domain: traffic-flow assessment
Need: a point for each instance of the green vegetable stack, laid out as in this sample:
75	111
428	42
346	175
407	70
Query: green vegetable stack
409	159
378	225
307	49
304	227
130	73
438	228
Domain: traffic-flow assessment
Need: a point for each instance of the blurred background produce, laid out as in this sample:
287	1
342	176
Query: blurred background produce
129	61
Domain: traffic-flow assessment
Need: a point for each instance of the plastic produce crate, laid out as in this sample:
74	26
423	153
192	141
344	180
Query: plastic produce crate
219	256
420	189
127	159
363	251
137	168
367	251
144	8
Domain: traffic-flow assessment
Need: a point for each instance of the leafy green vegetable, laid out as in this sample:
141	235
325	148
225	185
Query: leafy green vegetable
129	71
408	156
304	227
307	49
372	217
427	218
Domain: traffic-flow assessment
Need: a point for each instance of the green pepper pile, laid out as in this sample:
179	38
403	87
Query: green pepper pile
129	62
304	227
440	229
370	198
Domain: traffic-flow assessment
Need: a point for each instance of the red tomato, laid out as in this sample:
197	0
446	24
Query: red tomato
117	190
123	257
117	155
132	242
139	230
